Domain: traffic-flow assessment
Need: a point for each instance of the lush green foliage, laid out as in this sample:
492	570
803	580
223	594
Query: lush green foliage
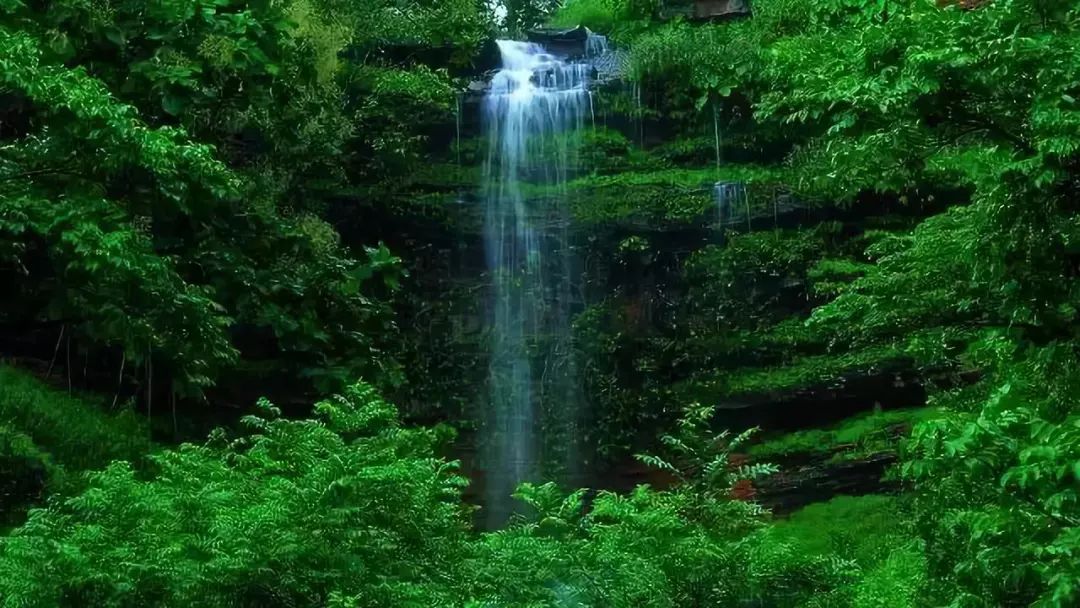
292	513
193	195
196	259
965	121
352	509
998	481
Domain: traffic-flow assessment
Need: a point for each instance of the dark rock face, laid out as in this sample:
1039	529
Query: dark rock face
817	406
706	10
719	9
571	43
817	480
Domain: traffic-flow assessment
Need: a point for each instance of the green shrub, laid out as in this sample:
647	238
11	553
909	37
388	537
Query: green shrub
647	548
997	480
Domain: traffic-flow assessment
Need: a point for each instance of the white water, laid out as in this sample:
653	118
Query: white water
533	99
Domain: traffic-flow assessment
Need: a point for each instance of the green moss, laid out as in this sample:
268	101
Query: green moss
802	372
701	148
683	177
864	433
623	184
446	176
607	151
639	204
76	431
664	195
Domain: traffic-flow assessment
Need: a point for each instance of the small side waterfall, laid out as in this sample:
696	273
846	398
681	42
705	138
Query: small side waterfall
535	105
729	197
596	45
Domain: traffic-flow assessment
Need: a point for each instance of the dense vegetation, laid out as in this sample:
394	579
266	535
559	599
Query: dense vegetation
208	207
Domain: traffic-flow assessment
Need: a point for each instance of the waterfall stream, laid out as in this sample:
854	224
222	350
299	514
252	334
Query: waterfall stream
534	107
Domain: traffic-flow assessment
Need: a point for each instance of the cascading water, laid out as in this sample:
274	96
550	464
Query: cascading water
535	104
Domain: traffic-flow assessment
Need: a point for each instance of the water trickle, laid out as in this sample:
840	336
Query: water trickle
592	111
639	114
728	196
716	134
457	126
536	101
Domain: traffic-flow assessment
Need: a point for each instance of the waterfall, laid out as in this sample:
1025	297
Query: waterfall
534	106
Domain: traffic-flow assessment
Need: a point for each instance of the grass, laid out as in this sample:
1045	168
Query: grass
851	526
48	438
76	431
869	531
597	16
26	475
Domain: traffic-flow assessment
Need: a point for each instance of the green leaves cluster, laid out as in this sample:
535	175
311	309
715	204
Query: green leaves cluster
997	481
